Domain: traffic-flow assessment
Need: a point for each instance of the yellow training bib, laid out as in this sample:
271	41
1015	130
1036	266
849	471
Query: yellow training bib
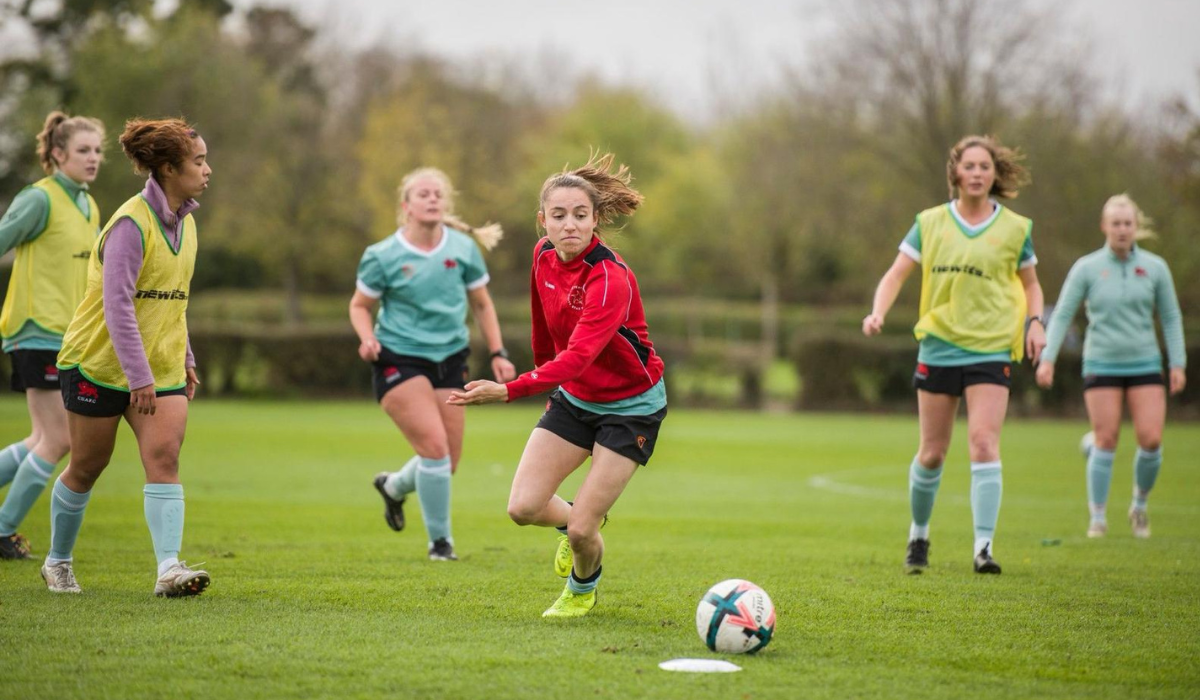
160	305
50	272
971	296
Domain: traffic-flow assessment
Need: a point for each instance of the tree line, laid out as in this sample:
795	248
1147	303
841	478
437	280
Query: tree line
798	196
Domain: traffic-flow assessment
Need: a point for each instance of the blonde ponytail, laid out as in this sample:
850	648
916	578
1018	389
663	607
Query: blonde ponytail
488	235
1144	223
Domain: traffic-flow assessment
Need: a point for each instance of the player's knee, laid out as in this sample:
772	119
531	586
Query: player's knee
162	460
522	513
1149	440
931	457
581	534
984	446
1106	439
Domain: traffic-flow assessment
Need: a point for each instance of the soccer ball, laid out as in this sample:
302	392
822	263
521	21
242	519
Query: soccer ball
1086	443
735	617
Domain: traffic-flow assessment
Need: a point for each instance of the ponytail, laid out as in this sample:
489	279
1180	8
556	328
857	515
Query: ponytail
488	235
57	132
608	189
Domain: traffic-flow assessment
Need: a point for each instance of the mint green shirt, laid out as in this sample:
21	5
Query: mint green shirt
1120	298
422	293
646	403
935	351
24	221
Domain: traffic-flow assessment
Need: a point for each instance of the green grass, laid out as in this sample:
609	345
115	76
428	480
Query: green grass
314	597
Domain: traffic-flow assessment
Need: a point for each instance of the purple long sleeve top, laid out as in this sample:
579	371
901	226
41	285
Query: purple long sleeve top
121	254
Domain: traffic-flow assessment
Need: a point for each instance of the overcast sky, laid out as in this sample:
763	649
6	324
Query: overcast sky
1148	48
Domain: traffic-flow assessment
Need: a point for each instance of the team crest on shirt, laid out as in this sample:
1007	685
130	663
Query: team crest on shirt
407	270
1139	271
575	298
450	263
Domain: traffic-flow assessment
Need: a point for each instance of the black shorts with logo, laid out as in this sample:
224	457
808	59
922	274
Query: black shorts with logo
954	380
629	436
87	398
1101	381
34	369
392	370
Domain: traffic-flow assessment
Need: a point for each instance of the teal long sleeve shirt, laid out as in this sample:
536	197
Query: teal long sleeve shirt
23	222
1120	298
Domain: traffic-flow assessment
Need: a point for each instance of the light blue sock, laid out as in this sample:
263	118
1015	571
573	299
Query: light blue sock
1099	476
32	477
922	490
164	514
66	517
587	585
1145	472
11	458
986	488
433	488
400	484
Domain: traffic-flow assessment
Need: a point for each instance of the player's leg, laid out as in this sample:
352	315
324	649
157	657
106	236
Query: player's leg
1104	412
987	405
1148	409
605	481
936	413
92	438
160	437
24	378
415	408
50	425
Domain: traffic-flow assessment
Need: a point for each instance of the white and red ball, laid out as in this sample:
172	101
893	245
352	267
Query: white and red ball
735	617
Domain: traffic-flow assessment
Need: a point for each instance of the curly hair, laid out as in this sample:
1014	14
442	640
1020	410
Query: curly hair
151	144
1011	176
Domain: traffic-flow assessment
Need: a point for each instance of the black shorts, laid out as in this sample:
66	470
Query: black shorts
34	369
628	436
1098	381
392	370
87	398
953	380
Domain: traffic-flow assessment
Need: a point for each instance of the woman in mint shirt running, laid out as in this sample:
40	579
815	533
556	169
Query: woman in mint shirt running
423	277
1122	286
52	225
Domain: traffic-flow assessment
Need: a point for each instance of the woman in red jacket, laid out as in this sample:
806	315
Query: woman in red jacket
591	347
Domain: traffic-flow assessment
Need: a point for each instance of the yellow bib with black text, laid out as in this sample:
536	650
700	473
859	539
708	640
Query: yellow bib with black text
49	274
971	296
160	305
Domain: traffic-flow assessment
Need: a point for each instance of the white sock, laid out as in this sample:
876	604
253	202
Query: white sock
918	532
982	542
166	564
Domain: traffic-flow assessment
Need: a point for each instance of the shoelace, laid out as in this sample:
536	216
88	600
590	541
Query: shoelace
64	577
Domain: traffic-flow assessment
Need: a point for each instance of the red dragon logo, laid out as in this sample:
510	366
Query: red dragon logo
88	390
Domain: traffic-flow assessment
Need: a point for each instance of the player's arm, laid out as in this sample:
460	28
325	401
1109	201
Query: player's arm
1069	299
25	219
887	291
489	325
1035	305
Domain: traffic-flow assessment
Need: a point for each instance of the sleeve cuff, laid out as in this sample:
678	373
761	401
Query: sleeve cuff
472	286
367	291
911	252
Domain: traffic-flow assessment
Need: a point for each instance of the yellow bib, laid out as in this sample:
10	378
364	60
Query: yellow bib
49	274
160	305
971	296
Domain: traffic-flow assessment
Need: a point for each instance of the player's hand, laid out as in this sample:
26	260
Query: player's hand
369	349
872	324
192	382
1178	380
1045	374
478	392
503	370
1035	340
142	400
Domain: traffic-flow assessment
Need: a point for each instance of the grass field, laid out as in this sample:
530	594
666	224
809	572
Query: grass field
313	596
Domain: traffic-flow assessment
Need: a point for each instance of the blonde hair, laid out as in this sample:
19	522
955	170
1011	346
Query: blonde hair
57	133
1144	223
608	189
488	235
1011	176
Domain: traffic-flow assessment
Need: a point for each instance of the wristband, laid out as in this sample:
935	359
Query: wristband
1029	322
500	353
